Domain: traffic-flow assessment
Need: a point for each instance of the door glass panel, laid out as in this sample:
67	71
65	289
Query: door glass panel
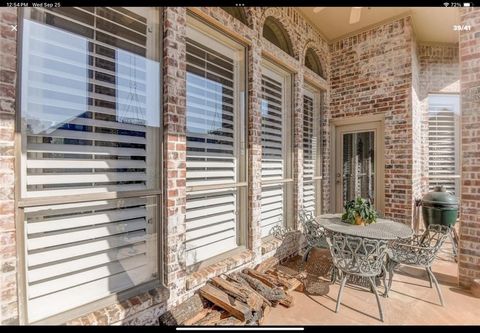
358	166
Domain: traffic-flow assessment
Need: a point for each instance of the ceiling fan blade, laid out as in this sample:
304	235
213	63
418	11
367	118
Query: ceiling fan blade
317	10
355	15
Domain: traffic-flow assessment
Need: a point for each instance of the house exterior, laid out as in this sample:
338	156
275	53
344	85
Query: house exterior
146	150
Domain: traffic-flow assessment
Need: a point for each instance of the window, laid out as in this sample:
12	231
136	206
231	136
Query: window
276	34
216	176
276	203
313	63
312	169
90	119
444	142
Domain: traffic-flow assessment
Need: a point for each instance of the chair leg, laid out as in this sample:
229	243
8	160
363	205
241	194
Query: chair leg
453	238
307	252
391	267
336	274
372	283
429	276
339	298
429	269
455	243
384	279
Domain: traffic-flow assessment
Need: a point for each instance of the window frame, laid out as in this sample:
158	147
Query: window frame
318	113
22	201
200	26
287	78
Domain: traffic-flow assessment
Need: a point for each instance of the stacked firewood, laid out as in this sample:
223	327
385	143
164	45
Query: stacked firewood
239	298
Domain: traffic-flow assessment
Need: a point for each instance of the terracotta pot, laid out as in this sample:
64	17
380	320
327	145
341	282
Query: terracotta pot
359	220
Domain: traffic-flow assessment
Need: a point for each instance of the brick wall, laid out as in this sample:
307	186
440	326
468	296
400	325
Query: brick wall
371	73
8	258
469	54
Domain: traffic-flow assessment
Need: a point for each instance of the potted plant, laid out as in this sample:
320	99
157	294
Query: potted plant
359	211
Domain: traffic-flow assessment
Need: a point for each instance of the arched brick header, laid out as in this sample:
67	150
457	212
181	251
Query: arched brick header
280	17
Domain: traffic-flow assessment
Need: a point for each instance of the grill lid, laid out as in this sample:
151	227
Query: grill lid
439	197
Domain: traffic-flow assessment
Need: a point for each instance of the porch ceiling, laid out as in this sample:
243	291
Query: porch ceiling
431	24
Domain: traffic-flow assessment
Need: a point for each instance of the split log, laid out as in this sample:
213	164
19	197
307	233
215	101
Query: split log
287	301
267	264
230	321
265	312
269	281
272	294
237	291
285	270
288	273
238	309
289	282
182	312
274	278
241	283
257	316
211	318
199	316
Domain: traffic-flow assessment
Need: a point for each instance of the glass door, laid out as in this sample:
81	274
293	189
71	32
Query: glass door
358	166
357	159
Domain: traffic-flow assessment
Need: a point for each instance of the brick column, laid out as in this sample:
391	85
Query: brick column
254	148
469	53
8	260
297	119
174	117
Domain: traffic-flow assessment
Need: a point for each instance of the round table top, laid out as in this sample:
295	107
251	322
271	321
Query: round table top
382	229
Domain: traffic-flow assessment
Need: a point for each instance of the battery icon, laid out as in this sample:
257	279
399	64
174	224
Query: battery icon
466	4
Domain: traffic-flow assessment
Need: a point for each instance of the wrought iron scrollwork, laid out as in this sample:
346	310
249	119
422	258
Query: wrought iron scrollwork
358	257
419	250
280	232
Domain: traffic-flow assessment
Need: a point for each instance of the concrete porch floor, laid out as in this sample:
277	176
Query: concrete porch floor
411	301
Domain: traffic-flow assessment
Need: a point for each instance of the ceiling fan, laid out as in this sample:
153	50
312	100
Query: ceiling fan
354	13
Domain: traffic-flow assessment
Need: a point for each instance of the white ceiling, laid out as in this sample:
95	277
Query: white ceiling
431	24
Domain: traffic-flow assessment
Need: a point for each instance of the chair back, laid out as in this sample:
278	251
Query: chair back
357	255
420	249
312	231
435	236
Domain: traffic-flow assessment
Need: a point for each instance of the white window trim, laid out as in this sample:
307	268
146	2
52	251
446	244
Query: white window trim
202	32
278	73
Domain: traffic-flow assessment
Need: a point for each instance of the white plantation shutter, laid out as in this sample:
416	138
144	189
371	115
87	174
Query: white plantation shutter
78	253
213	142
443	142
90	117
272	213
87	111
311	152
275	143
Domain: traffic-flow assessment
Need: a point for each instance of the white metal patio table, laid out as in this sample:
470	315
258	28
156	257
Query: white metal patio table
382	229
